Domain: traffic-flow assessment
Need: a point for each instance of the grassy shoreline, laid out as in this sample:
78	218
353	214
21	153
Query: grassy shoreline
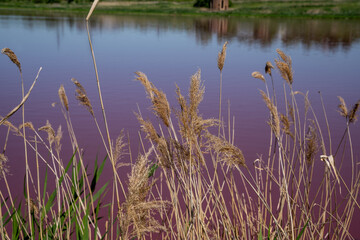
302	9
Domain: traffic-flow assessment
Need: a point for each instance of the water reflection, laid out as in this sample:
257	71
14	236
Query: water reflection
324	33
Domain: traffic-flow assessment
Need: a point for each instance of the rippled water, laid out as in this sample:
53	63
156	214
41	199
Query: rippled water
325	56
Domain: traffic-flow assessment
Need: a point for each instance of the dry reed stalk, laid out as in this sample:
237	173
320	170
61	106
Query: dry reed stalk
8	52
22	101
221	61
93	6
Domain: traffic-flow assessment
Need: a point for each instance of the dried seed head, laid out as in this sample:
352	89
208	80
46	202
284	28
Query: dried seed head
158	98
138	208
196	93
51	133
63	97
229	154
8	52
352	113
82	96
268	68
286	125
275	121
222	56
57	139
258	76
311	145
342	107
3	165
11	126
119	151
285	67
27	125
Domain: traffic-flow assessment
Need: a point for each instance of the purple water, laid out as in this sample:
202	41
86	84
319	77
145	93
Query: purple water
325	56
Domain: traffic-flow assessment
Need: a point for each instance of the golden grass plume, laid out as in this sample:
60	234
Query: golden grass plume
82	97
3	165
50	131
275	121
8	52
63	97
258	76
160	104
222	56
285	66
268	67
138	208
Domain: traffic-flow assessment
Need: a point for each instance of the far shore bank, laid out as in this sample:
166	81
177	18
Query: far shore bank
301	9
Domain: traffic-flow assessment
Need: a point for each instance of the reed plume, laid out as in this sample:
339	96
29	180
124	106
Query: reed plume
275	121
268	68
342	107
160	104
63	97
8	52
50	131
137	209
27	125
258	76
311	145
352	113
119	151
222	56
285	66
57	139
3	165
286	125
350	116
82	97
228	153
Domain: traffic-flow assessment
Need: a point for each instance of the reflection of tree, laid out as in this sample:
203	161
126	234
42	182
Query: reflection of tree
329	34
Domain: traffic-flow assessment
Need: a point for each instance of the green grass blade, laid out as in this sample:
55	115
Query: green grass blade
302	230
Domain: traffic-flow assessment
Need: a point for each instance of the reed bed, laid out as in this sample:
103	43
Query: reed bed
190	180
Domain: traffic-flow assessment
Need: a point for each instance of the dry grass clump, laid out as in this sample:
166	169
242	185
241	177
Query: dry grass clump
136	214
